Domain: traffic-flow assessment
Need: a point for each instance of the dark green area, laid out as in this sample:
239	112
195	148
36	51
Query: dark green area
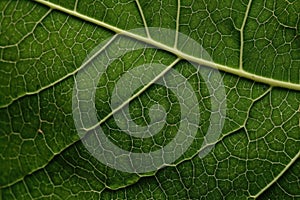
41	51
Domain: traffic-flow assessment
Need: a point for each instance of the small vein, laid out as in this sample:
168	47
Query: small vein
253	102
177	24
75	6
143	18
242	33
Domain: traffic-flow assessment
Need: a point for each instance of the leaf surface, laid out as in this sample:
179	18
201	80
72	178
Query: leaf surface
254	44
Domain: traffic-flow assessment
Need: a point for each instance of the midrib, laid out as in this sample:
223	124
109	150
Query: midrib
239	72
179	54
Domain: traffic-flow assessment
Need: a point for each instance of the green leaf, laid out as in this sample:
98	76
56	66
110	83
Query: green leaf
255	45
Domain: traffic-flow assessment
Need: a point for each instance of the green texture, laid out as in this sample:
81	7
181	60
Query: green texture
254	43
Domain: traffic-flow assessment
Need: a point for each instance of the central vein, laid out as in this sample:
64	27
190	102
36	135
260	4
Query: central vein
239	72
